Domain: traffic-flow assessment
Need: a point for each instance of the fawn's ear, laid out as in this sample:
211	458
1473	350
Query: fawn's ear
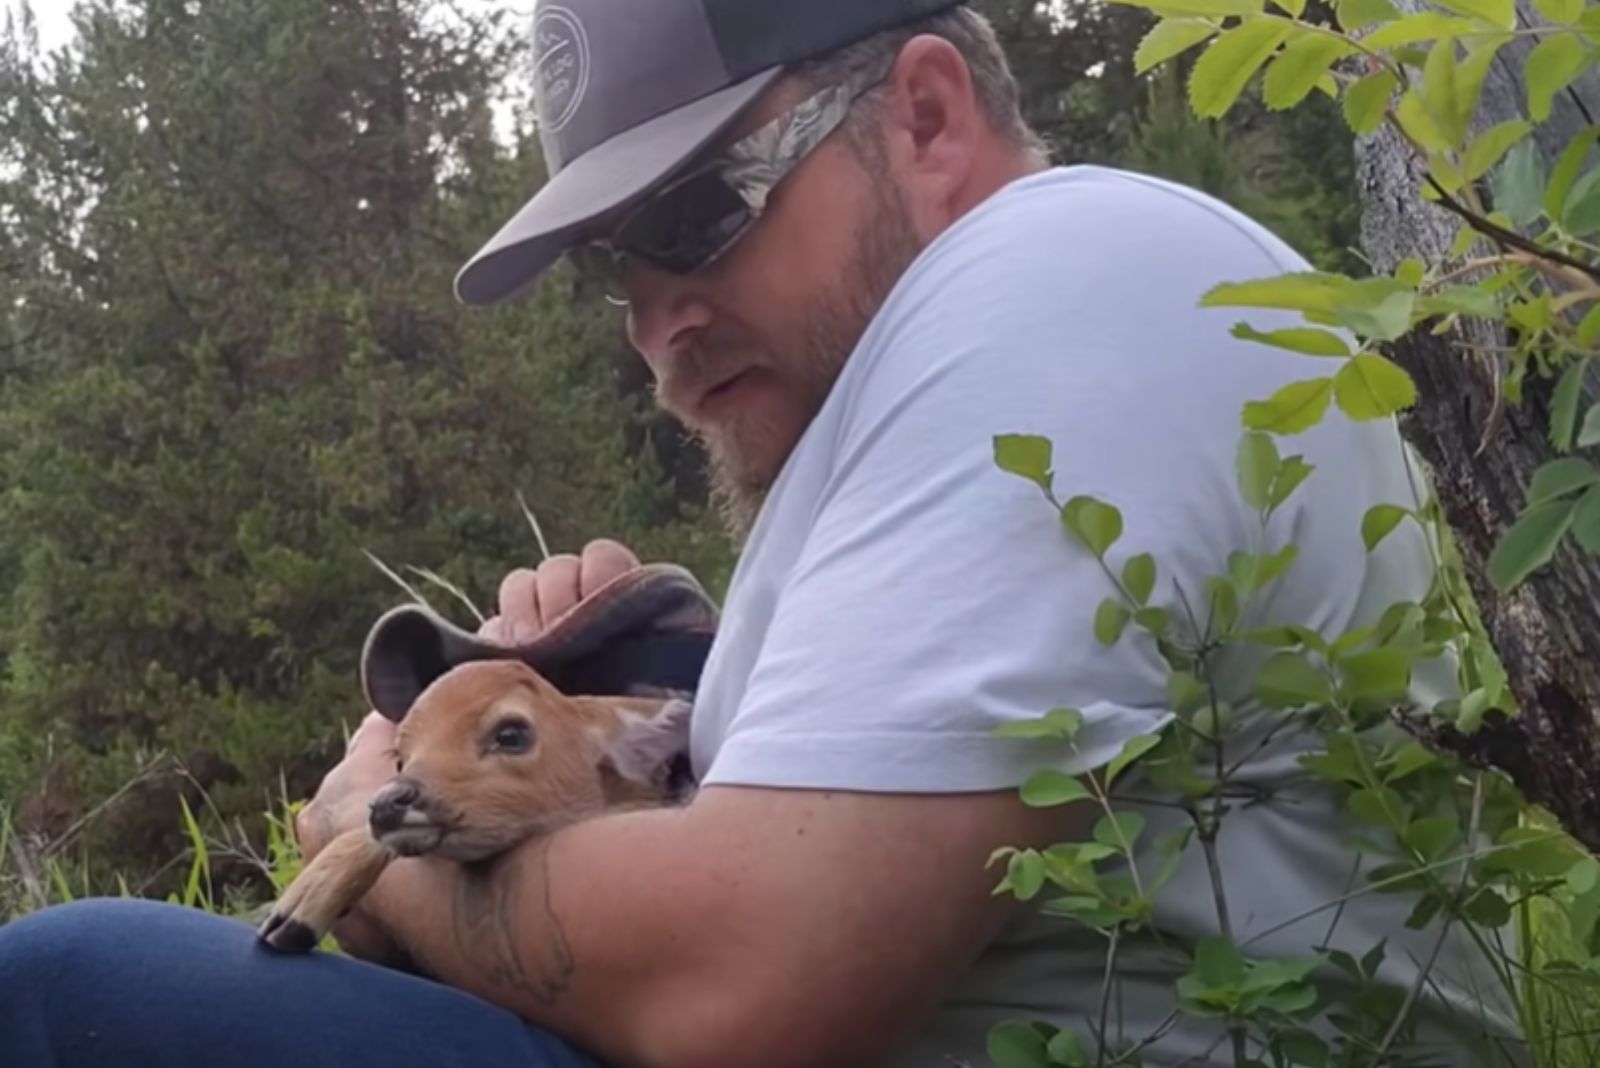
647	743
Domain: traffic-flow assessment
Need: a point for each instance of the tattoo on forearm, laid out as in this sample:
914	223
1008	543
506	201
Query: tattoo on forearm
489	910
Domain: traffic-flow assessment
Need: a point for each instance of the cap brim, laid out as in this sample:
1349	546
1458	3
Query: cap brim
597	183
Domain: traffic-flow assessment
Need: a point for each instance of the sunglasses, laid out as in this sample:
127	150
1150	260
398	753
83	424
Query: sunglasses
697	217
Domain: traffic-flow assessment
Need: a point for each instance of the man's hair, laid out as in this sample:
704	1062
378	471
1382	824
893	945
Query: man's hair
971	34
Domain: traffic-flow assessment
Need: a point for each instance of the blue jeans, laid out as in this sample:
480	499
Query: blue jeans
137	984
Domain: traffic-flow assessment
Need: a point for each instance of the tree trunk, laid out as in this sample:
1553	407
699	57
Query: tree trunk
1547	631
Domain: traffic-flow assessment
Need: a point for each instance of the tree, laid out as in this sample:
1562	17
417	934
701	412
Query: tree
237	365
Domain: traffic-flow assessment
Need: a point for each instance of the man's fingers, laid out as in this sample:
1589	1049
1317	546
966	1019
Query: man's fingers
519	606
604	560
530	600
558	587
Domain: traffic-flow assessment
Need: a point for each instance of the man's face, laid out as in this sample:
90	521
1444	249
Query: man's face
745	351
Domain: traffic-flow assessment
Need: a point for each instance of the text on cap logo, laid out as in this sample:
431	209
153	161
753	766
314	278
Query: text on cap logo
561	71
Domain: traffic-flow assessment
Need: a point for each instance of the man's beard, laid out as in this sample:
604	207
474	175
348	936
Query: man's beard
741	476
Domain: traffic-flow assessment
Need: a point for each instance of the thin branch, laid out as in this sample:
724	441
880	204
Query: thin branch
1444	932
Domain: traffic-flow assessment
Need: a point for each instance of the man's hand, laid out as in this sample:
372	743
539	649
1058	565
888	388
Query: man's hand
530	600
340	806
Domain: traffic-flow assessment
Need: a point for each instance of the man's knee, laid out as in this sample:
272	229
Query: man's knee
54	945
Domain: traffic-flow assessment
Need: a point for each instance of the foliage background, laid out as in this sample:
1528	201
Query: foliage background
231	365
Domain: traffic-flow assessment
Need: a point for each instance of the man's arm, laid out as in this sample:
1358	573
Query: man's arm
753	926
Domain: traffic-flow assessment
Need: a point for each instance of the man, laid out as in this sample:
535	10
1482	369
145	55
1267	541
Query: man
849	266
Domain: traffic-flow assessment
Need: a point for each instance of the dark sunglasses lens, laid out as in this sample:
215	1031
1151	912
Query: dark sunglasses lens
687	225
599	267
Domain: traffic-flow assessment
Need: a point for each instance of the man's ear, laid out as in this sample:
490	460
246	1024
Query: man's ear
644	748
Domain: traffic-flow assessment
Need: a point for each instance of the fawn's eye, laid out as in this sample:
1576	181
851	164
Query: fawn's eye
512	736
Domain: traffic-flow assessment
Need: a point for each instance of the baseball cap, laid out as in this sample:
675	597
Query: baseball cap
628	91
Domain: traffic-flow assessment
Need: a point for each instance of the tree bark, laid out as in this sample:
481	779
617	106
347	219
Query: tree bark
1547	632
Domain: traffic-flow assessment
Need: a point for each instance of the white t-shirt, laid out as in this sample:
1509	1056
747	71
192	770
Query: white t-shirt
900	596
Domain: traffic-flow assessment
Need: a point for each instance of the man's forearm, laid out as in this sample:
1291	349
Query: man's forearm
520	932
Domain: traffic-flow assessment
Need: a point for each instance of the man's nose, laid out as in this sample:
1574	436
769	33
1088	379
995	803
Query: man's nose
663	310
392	803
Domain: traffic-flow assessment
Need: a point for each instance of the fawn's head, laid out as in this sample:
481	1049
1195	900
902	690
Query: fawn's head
491	754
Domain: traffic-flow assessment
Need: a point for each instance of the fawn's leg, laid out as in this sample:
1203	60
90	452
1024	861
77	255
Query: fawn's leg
324	891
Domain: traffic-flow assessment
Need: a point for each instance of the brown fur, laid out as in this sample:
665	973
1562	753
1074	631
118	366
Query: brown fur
474	800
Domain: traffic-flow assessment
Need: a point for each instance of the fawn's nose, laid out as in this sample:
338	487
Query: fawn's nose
392	804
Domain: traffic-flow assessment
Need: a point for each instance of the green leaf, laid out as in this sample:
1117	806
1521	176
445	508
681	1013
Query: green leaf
1559	11
1132	750
1377	308
1419	124
1561	477
1291	473
1294	7
1289	680
1218	962
1129	825
1500	13
1550	68
1490	146
1469	85
1518	185
1439	90
1589	433
1154	620
1303	291
1461	300
1294	71
1303	1048
1205	8
1367	99
1371	387
1488	909
1066	1049
1589	329
1413	28
1015	1044
1251	572
1293	409
1564	406
1226	67
1308	341
1566	171
1110	619
1093	522
1379	673
1139	576
1530	543
1381	808
1170	37
1357	14
1586	522
1581	214
1047	788
1024	455
1062	723
1026	873
1379	522
1257	464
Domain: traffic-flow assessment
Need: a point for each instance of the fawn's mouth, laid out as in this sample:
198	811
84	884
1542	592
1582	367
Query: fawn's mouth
415	835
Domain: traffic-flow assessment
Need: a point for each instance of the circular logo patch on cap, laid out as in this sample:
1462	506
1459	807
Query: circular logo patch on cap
561	72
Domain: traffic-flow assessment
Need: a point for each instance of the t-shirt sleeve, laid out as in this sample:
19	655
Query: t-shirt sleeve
938	597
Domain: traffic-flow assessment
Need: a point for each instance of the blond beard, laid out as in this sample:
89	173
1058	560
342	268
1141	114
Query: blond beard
837	319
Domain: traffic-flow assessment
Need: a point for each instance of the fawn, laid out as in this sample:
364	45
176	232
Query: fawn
489	755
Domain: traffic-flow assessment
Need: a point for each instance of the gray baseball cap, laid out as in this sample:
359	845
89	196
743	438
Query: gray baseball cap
629	91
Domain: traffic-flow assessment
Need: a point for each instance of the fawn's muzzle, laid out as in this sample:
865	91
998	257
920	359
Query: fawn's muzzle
397	805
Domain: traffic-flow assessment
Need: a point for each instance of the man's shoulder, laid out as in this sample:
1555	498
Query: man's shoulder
1094	205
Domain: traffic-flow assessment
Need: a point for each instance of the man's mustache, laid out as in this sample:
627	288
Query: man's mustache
689	373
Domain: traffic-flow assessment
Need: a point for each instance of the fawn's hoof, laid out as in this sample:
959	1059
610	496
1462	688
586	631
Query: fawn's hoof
286	934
